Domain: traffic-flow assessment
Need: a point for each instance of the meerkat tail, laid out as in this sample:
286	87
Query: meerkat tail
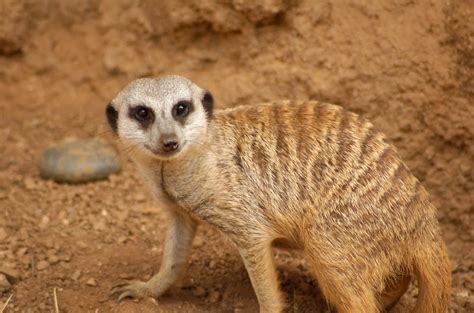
432	270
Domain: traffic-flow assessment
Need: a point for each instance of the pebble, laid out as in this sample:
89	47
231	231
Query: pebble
4	284
199	291
122	239
79	161
65	257
22	251
75	276
91	282
3	234
53	259
214	296
99	225
29	183
212	264
239	307
139	197
42	265
12	275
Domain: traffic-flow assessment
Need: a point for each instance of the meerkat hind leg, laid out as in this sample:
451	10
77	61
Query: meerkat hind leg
258	261
343	290
178	241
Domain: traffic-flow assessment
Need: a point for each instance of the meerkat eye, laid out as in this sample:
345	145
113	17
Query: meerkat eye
142	113
182	109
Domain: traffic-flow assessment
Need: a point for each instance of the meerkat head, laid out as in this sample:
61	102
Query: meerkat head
161	117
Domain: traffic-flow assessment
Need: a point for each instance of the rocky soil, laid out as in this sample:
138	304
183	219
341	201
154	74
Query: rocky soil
406	65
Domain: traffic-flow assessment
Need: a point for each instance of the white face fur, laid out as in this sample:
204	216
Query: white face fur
162	118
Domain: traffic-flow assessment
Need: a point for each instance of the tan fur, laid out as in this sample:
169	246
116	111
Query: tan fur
312	176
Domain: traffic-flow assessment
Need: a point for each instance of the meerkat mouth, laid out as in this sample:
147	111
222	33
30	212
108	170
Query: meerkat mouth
163	154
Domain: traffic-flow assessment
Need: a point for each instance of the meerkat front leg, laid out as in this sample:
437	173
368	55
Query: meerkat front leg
178	241
258	261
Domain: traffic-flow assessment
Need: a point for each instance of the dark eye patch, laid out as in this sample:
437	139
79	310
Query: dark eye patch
208	103
142	114
112	116
181	110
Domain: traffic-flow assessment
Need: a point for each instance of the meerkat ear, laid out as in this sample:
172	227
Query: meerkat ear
112	116
208	103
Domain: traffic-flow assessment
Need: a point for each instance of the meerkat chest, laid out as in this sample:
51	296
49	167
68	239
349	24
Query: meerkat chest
188	185
152	176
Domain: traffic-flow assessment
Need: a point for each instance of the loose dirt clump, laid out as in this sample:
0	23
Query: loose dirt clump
406	65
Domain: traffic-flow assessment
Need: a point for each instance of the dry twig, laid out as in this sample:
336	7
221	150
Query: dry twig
6	303
56	306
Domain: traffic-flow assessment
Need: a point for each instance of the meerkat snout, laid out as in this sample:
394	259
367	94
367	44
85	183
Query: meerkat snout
161	118
167	144
170	143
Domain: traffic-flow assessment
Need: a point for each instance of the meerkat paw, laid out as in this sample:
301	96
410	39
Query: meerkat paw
134	289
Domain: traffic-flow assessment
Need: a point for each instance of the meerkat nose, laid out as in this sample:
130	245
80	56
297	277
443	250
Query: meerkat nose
170	142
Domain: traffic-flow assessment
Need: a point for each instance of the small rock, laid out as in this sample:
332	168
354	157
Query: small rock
258	11
125	276
4	284
91	282
139	197
12	275
212	264
29	183
239	307
122	239
42	265
99	225
79	161
22	251
49	242
65	257
214	296
13	27
3	234
199	291
462	294
75	276
81	244
53	259
44	222
111	63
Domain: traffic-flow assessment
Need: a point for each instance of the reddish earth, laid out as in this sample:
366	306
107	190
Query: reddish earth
406	65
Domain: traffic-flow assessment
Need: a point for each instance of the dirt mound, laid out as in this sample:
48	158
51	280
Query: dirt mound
406	65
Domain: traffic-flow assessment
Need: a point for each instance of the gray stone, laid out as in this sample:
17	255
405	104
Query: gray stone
79	161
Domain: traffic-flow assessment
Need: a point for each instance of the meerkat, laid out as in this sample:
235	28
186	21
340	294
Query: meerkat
308	175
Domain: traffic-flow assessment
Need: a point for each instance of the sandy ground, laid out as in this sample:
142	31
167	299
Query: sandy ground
406	65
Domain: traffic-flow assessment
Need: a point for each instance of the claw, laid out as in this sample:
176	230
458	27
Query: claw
126	294
128	289
115	288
